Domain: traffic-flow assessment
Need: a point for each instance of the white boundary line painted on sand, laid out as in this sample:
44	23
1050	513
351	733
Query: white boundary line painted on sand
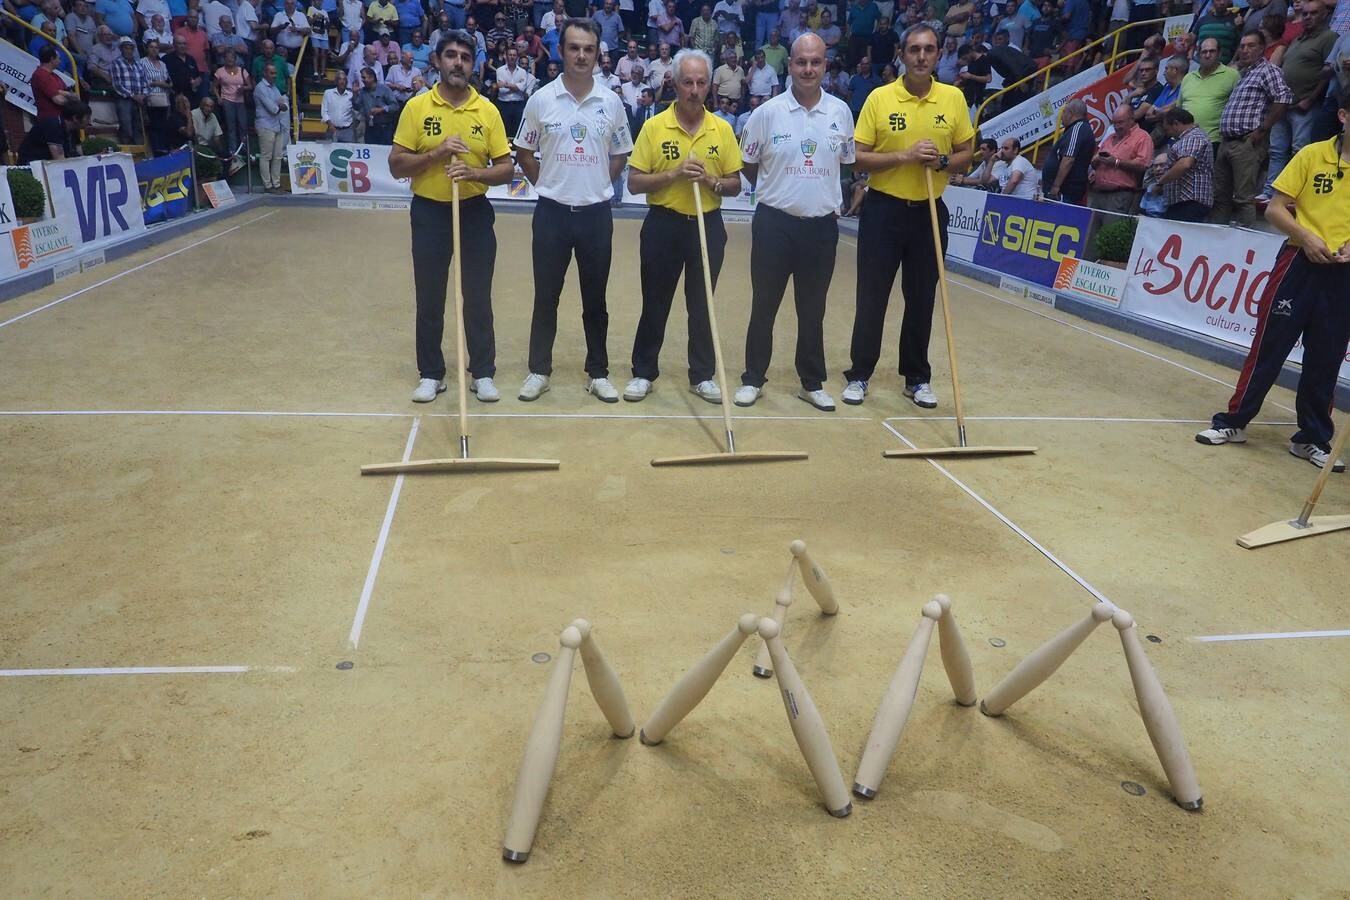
144	670
1040	548
1108	420
397	415
1269	636
112	278
1097	334
359	622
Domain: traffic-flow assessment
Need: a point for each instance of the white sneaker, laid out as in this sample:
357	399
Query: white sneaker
534	386
485	390
746	395
637	390
1216	436
426	390
922	395
708	390
819	399
1316	455
603	390
854	392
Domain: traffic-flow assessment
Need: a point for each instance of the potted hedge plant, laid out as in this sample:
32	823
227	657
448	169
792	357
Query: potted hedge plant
1114	241
93	146
30	200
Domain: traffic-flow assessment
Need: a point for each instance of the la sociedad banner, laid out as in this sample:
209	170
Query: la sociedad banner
1028	240
1204	278
166	186
99	194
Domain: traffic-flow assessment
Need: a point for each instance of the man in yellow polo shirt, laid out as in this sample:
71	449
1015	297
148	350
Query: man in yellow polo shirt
913	123
1310	300
683	149
450	133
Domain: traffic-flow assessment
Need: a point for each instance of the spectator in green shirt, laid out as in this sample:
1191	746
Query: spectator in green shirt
1205	91
267	55
1218	24
775	54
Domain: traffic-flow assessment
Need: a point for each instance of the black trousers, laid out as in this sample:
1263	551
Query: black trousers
432	249
895	233
511	111
670	247
1312	302
559	232
1187	211
803	249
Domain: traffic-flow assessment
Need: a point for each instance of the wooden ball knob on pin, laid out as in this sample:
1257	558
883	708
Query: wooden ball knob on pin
814	579
763	667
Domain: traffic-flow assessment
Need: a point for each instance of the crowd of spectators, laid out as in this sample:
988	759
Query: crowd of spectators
1258	85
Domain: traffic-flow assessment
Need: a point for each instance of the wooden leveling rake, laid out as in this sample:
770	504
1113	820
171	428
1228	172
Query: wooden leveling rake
731	455
464	463
1305	525
963	449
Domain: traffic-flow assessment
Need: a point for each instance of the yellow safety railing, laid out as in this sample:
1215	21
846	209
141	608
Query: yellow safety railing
70	57
295	107
1113	58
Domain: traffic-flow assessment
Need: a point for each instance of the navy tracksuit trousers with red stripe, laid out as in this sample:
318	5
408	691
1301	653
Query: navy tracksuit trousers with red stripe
1310	301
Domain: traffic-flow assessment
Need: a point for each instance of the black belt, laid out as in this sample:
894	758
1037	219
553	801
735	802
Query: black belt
688	218
783	212
603	204
882	195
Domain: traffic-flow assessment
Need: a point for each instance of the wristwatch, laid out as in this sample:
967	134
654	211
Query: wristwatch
943	159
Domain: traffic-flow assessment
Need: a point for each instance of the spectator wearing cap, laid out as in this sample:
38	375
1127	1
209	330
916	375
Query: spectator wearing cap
1067	165
129	85
386	50
1187	186
1256	104
1118	168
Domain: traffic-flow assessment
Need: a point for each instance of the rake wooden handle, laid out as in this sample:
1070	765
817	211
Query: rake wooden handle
946	307
712	319
459	322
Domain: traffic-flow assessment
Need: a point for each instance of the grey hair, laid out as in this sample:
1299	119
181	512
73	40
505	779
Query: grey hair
1076	108
687	54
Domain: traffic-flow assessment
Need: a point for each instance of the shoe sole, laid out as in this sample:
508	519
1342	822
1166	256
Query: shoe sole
735	402
482	399
532	399
614	399
911	399
853	402
1219	443
439	391
814	404
716	401
629	399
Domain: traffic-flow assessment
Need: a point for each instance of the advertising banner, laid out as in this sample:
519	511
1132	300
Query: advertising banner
1028	240
166	186
1094	281
965	213
99	194
351	170
16	71
8	218
1203	278
1033	119
28	246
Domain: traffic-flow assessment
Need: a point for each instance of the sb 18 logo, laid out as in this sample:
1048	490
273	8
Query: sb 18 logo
350	169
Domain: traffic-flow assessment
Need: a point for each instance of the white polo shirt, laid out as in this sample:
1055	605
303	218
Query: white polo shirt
799	153
575	141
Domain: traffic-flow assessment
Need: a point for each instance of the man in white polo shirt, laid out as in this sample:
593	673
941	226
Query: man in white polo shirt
581	132
794	146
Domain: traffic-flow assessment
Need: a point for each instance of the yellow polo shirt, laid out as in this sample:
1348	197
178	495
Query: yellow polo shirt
1321	200
893	119
663	145
429	119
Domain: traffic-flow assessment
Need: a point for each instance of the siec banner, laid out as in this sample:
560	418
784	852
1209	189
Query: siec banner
1206	279
166	186
1028	240
99	194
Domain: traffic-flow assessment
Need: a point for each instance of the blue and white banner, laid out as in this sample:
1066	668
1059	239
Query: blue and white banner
166	186
1028	240
99	194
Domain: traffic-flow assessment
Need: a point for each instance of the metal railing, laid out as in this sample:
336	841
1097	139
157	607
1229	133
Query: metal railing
70	57
1043	74
295	107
